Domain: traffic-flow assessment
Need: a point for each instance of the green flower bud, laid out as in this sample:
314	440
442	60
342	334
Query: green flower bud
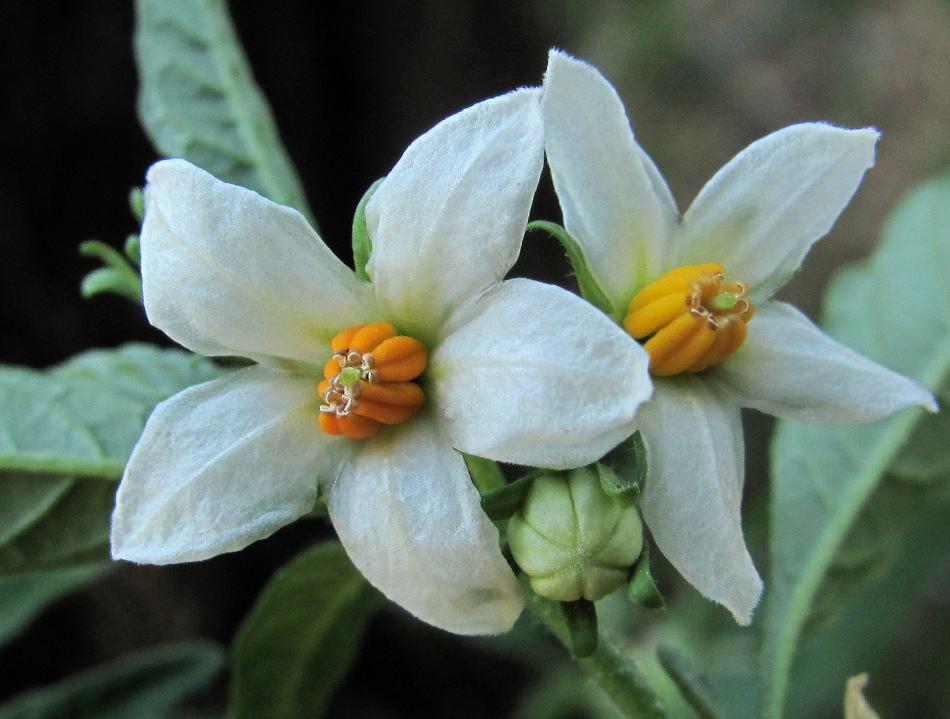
572	540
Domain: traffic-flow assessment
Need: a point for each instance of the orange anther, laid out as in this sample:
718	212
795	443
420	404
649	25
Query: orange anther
689	319
367	380
400	359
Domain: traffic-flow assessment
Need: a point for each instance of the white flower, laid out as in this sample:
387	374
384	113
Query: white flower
514	372
756	219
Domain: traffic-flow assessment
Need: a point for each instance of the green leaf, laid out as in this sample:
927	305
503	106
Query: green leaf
147	684
300	639
24	596
198	99
65	430
877	628
362	242
833	520
588	286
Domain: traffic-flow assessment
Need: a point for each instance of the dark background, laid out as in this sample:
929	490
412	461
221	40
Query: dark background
351	84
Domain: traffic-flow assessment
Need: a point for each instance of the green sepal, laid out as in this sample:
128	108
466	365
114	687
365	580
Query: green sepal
581	619
503	502
641	589
588	286
362	244
485	473
616	487
692	685
623	470
137	203
118	276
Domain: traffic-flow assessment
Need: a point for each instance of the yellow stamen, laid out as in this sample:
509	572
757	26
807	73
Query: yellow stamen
689	319
367	380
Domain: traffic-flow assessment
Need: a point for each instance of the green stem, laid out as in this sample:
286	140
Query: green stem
615	673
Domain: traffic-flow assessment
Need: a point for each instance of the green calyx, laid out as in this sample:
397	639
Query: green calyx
572	540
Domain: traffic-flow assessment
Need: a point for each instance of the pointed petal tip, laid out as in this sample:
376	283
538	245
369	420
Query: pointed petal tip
561	62
744	603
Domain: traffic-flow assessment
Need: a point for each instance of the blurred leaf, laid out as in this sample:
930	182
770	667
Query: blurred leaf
148	684
300	639
24	596
65	435
75	531
875	629
830	533
198	99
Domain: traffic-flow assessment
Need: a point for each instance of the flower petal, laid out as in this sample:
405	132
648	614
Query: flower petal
221	465
411	521
761	213
226	271
533	374
448	221
790	368
614	200
693	493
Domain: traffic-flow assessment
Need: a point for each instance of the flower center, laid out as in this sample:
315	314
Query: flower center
368	380
690	319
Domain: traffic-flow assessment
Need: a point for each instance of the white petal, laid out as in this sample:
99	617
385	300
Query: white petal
790	368
448	221
533	374
615	202
410	519
221	465
761	213
226	271
693	493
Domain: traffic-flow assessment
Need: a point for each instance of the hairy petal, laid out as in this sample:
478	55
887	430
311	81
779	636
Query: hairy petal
790	368
693	493
228	272
411	521
533	374
448	221
221	465
615	202
761	213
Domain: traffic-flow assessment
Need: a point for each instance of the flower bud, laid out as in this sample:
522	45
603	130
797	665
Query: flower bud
572	540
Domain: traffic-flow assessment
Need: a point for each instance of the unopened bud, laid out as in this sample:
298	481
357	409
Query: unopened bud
572	540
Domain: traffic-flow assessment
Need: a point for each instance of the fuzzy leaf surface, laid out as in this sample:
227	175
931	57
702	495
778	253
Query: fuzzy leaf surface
198	99
65	435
